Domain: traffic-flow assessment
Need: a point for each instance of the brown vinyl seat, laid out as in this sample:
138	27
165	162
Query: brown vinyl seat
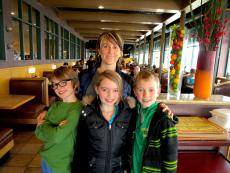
6	140
222	89
28	112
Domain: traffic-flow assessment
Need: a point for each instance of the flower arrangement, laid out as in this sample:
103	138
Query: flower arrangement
209	29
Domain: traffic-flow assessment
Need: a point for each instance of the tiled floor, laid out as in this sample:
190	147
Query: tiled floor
24	157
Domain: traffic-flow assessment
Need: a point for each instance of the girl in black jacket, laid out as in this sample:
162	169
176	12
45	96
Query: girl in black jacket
103	129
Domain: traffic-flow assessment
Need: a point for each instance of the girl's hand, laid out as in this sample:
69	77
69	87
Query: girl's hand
41	118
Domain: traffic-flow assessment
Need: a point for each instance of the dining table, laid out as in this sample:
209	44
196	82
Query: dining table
10	101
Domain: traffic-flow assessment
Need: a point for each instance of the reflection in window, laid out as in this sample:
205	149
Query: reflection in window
26	31
16	40
2	46
74	47
228	65
51	39
64	44
14	8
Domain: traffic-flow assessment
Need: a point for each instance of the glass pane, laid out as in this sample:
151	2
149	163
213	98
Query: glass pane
62	32
78	52
66	50
34	18
14	8
228	65
46	24
50	26
16	42
66	34
26	40
51	40
35	46
72	46
55	47
56	29
25	16
62	49
47	45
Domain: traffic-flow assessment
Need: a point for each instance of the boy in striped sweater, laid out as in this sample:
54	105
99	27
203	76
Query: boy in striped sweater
155	136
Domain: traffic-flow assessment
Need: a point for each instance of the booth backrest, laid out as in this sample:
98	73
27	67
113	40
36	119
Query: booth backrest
222	89
47	74
31	86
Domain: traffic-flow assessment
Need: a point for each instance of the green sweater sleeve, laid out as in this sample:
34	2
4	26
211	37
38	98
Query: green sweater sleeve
51	133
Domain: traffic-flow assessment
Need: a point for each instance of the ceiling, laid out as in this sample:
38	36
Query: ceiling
130	18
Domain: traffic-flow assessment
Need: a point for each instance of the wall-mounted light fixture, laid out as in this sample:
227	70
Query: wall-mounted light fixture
32	71
53	67
73	63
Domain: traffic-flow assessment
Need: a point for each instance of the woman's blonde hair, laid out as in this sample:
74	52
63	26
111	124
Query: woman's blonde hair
147	75
113	76
65	73
111	36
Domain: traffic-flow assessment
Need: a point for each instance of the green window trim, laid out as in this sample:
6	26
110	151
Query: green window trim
19	19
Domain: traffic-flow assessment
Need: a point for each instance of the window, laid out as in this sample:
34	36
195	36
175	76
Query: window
64	44
191	52
75	47
51	39
228	64
156	53
2	46
78	48
26	31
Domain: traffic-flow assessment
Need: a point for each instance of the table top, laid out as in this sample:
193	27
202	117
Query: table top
191	99
13	101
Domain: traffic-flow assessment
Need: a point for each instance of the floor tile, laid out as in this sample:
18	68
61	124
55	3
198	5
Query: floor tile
30	149
23	137
19	160
12	169
17	147
35	140
33	170
36	162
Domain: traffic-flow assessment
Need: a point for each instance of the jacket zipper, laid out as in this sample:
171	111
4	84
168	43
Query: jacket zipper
109	143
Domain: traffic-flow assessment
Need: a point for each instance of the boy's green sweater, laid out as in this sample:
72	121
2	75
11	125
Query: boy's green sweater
58	140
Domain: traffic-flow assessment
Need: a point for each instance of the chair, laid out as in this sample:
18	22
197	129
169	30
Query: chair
222	89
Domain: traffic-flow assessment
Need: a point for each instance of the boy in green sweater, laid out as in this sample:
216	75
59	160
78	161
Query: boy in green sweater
58	129
155	135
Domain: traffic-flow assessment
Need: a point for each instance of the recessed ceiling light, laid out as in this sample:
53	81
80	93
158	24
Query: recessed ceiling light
101	7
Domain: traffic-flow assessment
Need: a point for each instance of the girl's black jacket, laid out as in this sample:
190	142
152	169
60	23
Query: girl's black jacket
102	148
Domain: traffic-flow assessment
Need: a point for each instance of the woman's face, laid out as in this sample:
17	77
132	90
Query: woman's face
110	52
108	92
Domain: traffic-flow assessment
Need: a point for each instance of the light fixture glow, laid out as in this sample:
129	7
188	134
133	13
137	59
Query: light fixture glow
31	71
101	7
53	67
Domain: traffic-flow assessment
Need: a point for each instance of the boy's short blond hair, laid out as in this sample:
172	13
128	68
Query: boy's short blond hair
113	76
147	75
65	73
